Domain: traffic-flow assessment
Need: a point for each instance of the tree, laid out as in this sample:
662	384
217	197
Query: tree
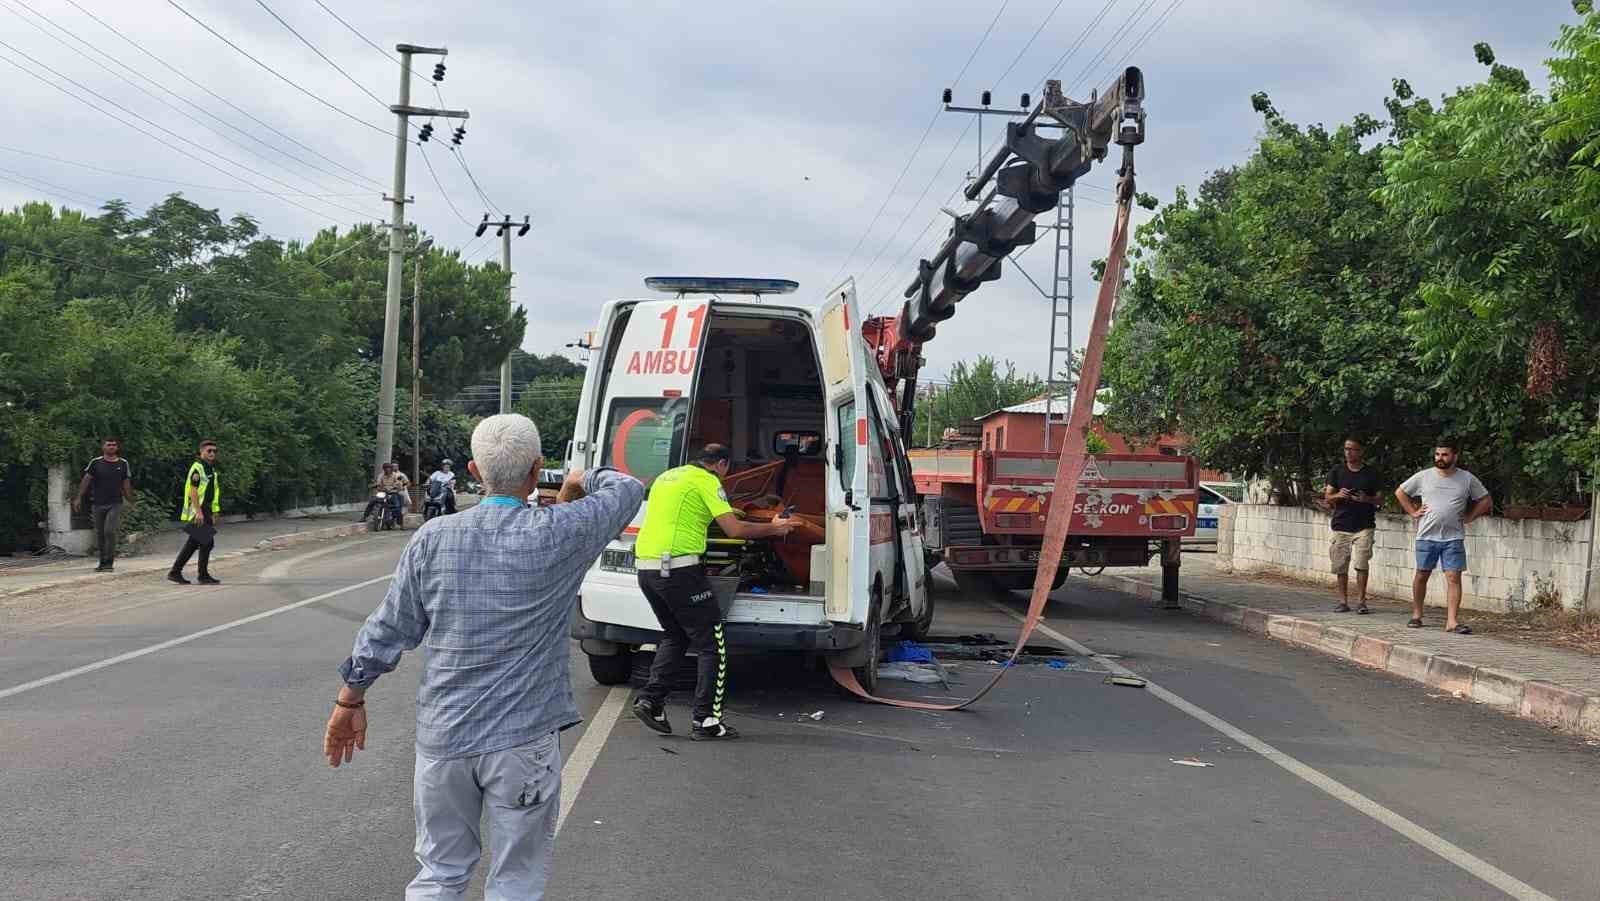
552	404
971	390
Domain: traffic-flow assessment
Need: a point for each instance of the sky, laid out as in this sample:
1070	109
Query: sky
693	138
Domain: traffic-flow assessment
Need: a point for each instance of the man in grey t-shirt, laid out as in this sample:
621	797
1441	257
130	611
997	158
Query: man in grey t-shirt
1451	498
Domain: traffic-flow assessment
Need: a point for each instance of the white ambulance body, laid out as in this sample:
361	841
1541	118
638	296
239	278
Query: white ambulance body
793	392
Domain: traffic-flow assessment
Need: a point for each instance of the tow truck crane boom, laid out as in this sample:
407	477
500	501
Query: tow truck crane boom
1024	178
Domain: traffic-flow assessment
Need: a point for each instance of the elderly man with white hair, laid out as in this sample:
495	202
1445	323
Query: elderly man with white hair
490	591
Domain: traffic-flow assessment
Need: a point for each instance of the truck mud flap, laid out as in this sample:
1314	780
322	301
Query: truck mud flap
1068	468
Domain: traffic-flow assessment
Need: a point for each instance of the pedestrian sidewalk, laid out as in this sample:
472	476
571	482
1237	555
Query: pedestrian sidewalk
156	552
1553	686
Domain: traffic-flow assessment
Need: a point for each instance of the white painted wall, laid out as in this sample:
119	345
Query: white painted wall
1506	560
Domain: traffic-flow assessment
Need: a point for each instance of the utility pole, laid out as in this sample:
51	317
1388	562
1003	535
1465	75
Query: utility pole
505	226
417	253
403	111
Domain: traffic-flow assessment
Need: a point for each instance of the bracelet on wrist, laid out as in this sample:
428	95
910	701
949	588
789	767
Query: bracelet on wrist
350	706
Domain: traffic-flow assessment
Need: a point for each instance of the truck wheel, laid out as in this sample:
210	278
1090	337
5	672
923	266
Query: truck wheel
918	629
867	673
613	669
1060	580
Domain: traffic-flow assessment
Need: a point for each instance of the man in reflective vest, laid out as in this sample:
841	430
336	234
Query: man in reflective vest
202	498
683	503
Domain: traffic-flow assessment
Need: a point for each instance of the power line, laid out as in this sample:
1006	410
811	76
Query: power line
1148	34
442	192
159	127
462	159
355	31
147	93
1117	36
337	68
1024	50
173	181
955	145
58	191
914	151
279	75
230	104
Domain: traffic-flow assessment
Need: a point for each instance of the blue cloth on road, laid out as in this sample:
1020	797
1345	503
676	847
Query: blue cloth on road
1450	556
492	591
910	652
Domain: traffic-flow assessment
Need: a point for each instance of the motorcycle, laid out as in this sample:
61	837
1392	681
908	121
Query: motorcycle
389	514
434	504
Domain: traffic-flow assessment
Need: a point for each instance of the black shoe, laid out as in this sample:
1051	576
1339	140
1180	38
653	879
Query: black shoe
177	577
207	580
713	729
103	568
654	717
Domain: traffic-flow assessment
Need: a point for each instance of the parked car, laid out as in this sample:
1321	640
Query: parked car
1213	497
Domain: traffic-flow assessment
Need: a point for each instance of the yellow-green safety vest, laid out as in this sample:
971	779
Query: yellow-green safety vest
197	469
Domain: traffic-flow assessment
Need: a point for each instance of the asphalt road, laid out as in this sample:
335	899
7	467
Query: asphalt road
191	770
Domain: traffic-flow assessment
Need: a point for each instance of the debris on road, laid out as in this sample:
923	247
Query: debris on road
1190	761
1129	681
906	671
668	750
814	717
908	652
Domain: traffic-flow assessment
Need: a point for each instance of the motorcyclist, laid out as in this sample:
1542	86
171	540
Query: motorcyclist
392	481
445	477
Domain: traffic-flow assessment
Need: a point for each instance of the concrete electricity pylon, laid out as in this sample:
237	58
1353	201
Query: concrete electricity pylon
403	111
505	226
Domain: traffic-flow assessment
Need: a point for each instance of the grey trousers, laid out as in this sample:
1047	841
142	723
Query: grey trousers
107	525
521	787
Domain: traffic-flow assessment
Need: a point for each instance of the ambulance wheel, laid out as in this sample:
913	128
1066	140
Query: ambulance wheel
611	669
867	672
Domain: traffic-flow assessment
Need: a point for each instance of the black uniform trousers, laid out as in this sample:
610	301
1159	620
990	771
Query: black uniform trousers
690	620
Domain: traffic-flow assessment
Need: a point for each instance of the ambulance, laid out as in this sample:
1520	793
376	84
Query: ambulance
793	392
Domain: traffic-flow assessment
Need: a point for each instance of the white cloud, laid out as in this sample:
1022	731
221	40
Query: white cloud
723	138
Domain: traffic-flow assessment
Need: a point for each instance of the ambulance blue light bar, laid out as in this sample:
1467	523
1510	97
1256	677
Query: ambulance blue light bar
676	284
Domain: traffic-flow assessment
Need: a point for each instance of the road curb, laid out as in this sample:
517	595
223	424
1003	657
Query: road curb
275	543
1517	694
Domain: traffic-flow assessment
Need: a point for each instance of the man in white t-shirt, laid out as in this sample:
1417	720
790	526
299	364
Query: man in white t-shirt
1451	498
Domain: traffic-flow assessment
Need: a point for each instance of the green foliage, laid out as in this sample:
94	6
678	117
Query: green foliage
1442	280
552	404
178	324
971	391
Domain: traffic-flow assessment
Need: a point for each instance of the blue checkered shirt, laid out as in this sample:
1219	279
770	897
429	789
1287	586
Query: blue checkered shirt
491	592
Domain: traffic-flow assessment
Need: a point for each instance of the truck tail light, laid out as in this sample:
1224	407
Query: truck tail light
1169	523
1014	520
969	557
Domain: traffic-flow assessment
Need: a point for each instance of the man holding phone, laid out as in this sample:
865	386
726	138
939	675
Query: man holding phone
1352	491
683	502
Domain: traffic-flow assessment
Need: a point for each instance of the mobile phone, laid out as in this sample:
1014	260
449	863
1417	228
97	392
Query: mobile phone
786	511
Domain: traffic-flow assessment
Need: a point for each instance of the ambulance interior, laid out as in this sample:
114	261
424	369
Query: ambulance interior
760	393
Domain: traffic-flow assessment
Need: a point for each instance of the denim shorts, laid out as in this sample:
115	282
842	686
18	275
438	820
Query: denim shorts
1450	556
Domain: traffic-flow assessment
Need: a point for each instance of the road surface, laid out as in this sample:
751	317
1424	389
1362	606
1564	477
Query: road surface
140	765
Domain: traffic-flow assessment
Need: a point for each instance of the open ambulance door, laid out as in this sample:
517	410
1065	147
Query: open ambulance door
844	386
648	400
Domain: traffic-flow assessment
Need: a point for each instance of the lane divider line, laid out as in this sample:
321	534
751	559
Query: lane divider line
1335	789
184	639
576	770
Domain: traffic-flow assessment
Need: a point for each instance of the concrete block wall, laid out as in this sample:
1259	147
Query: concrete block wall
1508	562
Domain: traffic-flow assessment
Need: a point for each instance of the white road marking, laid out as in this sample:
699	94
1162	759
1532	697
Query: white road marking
576	770
1455	854
185	639
285	567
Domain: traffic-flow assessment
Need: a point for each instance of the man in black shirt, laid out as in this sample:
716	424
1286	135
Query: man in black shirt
108	481
1352	491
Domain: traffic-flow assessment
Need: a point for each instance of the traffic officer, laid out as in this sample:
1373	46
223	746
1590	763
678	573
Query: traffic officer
202	499
682	503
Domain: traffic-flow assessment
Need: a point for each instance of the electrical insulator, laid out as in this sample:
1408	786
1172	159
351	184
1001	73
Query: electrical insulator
461	133
949	95
985	98
1025	104
438	71
426	132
